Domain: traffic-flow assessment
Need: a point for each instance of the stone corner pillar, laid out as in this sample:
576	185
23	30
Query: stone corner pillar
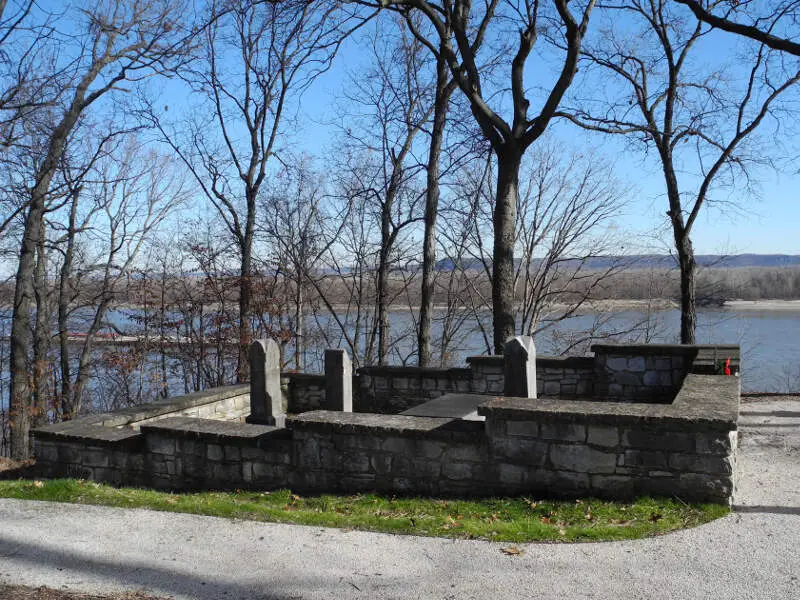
266	400
338	381
519	362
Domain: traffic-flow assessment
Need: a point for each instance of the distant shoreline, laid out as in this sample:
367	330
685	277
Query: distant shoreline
763	304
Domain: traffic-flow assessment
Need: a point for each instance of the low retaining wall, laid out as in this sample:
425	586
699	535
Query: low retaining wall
543	447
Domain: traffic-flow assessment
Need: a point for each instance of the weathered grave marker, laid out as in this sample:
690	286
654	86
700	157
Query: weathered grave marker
520	367
266	401
338	381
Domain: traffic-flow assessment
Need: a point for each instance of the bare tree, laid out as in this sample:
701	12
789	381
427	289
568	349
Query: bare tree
123	42
395	103
727	15
254	59
129	193
461	30
666	104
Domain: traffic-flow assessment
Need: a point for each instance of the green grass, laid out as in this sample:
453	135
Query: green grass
500	519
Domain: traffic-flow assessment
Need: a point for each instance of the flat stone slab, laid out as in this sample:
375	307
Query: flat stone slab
213	431
454	406
404	425
703	402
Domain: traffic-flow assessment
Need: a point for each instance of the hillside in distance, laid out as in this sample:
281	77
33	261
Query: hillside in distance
665	261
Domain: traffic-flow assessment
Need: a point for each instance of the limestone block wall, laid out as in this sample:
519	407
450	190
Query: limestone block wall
390	390
303	392
550	446
390	453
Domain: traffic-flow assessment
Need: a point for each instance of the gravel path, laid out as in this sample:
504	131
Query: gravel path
753	553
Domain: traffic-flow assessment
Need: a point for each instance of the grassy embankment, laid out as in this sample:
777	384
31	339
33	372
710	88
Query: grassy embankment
498	519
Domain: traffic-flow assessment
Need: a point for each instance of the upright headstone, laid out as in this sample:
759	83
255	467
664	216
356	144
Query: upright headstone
266	401
519	371
338	381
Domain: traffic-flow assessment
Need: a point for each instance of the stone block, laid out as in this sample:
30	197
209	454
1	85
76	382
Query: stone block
521	451
425	469
338	381
250	453
96	457
701	487
247	471
232	453
46	452
381	464
628	379
465	452
646	439
637	364
398	445
307	454
582	459
266	398
215	452
701	463
157	444
642	459
652	378
552	388
615	389
429	449
568	483
400	383
563	432
522	428
519	367
715	442
511	474
663	364
457	471
355	463
612	486
603	435
616	363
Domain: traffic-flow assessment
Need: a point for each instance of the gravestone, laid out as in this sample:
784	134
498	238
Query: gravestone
266	400
519	364
338	381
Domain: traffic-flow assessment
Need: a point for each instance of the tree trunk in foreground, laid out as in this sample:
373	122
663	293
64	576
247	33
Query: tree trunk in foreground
508	164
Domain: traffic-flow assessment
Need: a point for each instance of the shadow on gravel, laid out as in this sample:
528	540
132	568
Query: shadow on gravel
774	510
774	413
153	580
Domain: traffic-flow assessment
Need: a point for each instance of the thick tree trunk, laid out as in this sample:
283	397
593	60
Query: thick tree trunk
508	164
245	302
41	343
383	284
683	245
443	93
64	293
688	268
21	339
299	334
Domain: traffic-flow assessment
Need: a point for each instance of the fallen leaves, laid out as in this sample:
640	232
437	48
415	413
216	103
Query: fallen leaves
512	551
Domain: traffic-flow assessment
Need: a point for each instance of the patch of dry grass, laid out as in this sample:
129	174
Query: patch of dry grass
21	592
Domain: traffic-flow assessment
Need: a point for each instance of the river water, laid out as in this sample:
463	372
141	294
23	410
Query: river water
769	339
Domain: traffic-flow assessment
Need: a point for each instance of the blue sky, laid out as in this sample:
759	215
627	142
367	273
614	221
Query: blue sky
766	223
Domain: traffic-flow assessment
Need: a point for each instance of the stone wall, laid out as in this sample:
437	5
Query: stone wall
550	446
390	390
303	392
620	450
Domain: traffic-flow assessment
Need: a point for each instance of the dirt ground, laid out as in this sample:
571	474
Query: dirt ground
19	592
